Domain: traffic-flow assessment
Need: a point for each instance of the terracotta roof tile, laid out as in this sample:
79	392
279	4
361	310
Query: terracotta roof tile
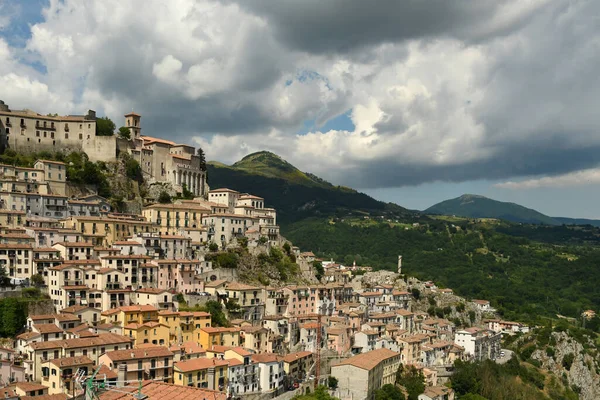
370	359
158	391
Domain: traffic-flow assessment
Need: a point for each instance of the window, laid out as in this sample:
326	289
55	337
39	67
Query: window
81	136
37	133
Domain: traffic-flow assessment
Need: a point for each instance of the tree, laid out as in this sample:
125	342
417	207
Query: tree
412	380
287	248
332	382
164	197
389	392
213	247
215	309
186	194
416	293
133	170
4	279
202	158
37	280
105	127
319	270
124	133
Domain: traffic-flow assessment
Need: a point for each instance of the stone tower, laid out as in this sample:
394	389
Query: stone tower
132	121
400	264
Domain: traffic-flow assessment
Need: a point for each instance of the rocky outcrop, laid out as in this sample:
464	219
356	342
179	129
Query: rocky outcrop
570	361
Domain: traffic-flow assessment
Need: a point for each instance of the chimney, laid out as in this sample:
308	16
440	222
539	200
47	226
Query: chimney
121	375
211	378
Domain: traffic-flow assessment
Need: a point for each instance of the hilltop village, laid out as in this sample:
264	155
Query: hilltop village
124	290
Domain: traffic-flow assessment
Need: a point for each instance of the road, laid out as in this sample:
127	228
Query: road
507	356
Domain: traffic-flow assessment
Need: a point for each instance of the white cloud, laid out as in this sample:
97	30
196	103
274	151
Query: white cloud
499	90
578	178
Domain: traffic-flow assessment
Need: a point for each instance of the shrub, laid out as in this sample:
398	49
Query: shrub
567	360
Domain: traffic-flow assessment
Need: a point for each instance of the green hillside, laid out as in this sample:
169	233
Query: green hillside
295	194
523	278
271	165
474	206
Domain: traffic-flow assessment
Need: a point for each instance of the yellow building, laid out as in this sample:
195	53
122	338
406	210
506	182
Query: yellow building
110	229
148	332
172	217
219	337
210	373
184	326
123	316
12	218
58	373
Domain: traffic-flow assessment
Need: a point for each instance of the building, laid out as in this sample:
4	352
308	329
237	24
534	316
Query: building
172	217
479	344
271	372
297	365
152	362
208	373
26	131
360	376
10	370
58	373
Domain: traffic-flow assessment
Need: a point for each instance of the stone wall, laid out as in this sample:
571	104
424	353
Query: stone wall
101	148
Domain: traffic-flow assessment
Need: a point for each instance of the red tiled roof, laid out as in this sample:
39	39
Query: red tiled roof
158	391
370	359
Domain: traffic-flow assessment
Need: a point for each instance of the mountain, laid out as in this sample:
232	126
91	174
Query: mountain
475	206
295	194
577	221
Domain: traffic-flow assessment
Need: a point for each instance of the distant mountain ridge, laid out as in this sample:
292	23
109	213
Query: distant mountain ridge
476	206
295	194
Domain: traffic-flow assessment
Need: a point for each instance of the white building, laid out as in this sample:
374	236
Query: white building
271	372
479	344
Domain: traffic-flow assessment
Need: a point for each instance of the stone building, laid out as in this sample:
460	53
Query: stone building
360	376
26	131
164	161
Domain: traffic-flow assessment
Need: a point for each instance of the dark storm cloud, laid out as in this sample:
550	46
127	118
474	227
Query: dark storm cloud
344	26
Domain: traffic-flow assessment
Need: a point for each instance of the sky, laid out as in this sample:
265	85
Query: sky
410	101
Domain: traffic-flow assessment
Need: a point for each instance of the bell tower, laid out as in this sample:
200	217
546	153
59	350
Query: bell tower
132	121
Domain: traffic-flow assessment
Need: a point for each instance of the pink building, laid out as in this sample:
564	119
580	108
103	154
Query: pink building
299	300
179	274
338	339
9	371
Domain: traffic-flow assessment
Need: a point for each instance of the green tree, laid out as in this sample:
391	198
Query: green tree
319	270
332	382
186	193
164	197
37	280
124	133
320	393
4	279
567	360
287	248
105	127
389	392
412	380
213	247
133	169
202	158
416	293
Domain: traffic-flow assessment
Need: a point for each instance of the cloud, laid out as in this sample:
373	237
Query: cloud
578	178
435	89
